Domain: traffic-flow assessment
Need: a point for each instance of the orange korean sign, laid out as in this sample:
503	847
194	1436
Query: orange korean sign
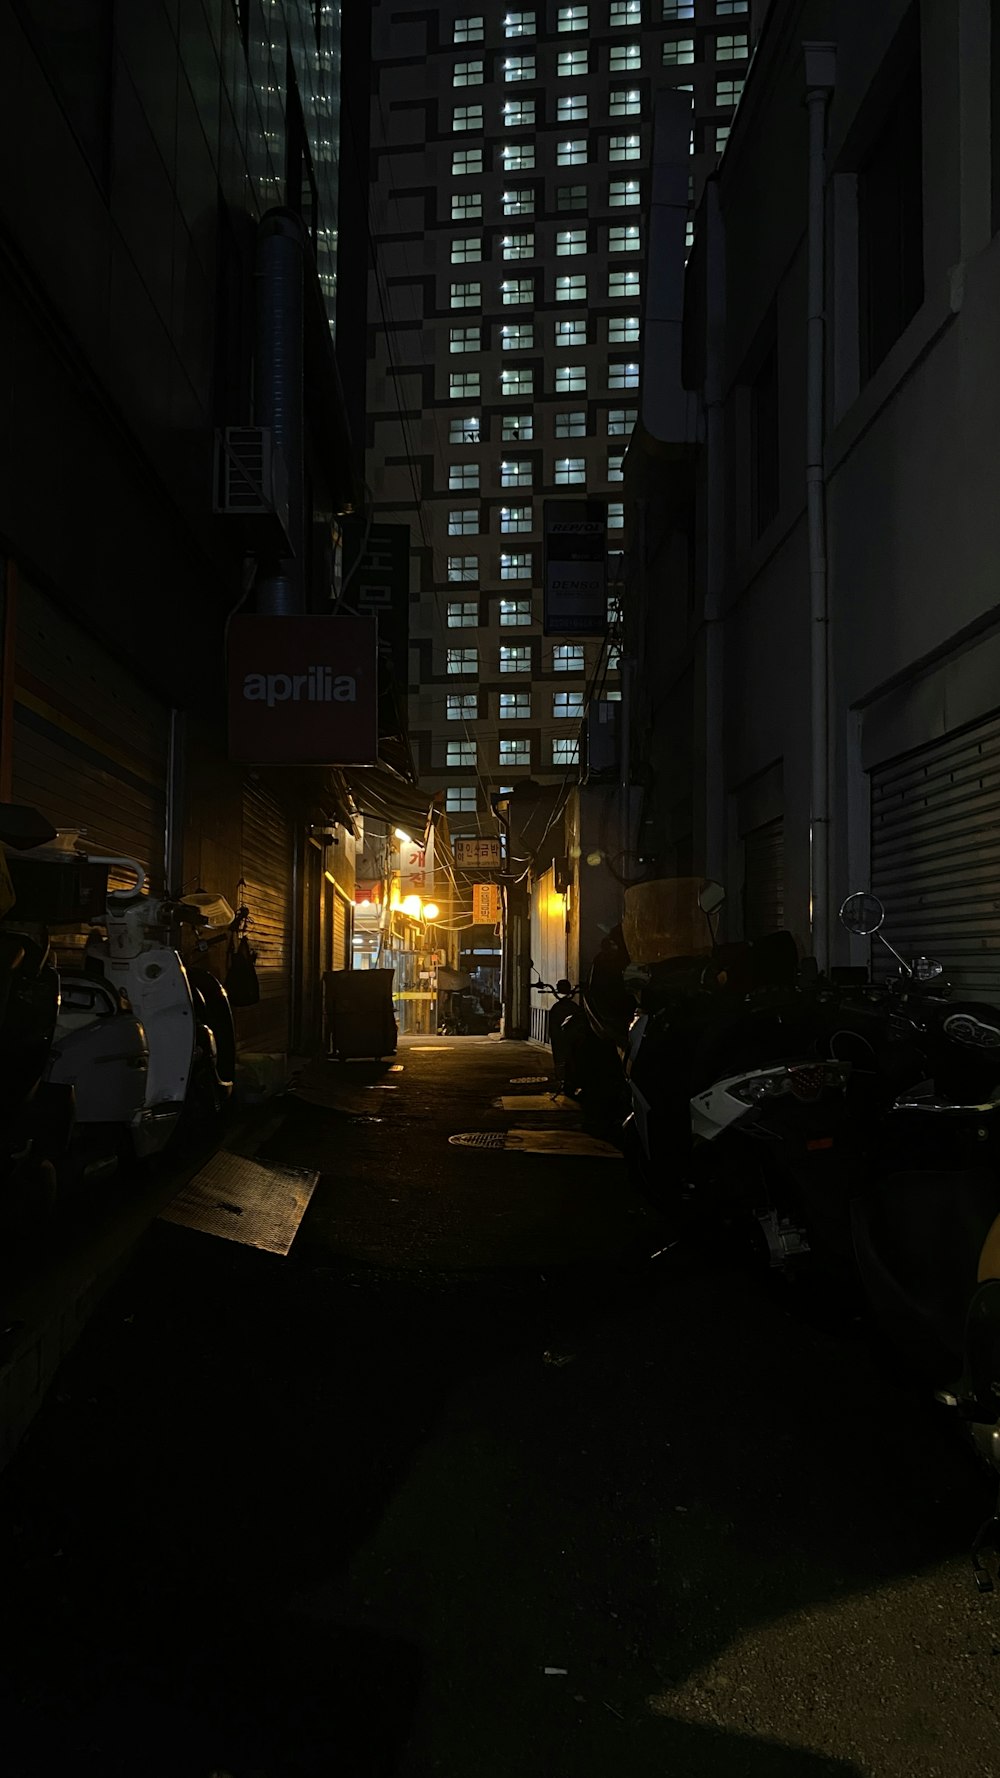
486	906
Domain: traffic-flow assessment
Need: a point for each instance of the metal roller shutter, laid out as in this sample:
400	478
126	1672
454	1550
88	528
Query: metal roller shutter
341	933
764	879
267	874
936	856
90	743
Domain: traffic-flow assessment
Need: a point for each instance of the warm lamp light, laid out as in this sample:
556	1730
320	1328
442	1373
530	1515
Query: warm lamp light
401	834
411	906
431	910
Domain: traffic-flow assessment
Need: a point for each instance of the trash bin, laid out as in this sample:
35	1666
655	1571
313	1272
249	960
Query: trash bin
358	1017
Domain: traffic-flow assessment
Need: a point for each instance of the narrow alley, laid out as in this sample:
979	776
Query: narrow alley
469	1482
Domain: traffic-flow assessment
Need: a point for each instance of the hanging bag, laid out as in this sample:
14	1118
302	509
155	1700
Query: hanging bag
242	984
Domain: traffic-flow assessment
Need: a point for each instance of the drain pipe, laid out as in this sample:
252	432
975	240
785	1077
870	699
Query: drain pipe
279	399
820	69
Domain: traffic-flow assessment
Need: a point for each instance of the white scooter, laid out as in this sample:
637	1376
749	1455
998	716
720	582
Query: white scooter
135	1036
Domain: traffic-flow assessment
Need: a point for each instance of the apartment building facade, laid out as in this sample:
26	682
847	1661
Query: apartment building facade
510	167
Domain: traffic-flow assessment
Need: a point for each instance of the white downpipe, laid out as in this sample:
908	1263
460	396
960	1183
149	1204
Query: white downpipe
820	68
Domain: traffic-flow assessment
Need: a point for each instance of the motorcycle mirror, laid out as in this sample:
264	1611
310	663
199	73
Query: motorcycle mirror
711	898
862	914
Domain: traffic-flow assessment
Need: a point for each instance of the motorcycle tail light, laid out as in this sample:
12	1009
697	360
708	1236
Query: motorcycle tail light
809	1080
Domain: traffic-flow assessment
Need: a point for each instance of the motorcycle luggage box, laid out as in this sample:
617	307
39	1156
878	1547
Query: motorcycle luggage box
60	891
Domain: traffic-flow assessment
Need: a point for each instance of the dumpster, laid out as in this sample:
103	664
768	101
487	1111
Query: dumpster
358	1016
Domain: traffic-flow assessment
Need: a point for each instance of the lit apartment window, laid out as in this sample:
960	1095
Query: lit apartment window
570	472
729	92
468	30
624	239
515	753
623	192
463	339
517	336
614	612
678	52
729	8
517	157
466	206
677	11
463	568
460	753
565	752
689	233
463	614
567	706
616	515
572	288
624	14
572	424
515	567
515	657
463	476
614	657
514	613
623	148
466	250
733	46
460	799
571	197
515	428
571	379
464	431
466	296
515	472
463	521
571	154
466	160
519	24
518	113
467	117
624	284
615	467
624	102
621	421
519	246
571	61
572	18
517	382
623	330
461	706
572	108
570	241
463	385
462	661
624	56
623	376
517	290
519	68
571	333
515	520
467	74
567	657
519	203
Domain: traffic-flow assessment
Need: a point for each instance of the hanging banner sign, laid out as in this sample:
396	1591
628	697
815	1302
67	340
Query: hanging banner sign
486	909
576	568
303	691
478	854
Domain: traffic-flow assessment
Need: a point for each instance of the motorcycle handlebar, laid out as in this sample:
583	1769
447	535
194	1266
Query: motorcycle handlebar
125	864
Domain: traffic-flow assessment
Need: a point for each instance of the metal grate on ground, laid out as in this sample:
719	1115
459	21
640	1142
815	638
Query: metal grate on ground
260	1205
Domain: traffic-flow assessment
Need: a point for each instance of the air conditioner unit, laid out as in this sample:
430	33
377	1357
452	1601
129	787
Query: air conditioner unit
603	731
251	484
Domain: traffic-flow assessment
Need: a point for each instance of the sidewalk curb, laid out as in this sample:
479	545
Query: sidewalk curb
52	1305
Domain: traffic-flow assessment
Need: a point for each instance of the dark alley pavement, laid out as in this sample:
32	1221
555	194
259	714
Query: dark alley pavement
468	1484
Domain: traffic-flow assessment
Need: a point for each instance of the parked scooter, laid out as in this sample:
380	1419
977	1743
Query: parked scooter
586	1064
136	1039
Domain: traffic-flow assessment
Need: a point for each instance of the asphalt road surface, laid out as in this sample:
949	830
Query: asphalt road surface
468	1484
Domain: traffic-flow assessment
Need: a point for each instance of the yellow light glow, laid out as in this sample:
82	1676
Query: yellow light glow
394	897
411	906
401	834
431	910
557	904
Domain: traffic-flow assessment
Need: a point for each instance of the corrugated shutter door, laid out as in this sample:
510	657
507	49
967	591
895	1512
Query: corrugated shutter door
764	879
936	856
341	958
90	743
267	870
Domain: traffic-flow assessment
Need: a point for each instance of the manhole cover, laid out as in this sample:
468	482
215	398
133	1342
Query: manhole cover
479	1139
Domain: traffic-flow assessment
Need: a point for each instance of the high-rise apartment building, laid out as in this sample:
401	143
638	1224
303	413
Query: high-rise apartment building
510	156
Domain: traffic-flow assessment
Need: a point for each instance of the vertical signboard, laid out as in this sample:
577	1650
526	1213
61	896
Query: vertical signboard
378	585
576	568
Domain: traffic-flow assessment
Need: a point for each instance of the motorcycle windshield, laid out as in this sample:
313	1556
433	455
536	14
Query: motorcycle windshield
663	920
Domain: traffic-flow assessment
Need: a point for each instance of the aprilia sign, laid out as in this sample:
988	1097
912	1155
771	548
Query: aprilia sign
303	691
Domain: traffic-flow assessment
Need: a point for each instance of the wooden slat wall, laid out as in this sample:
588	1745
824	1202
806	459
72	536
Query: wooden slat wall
267	870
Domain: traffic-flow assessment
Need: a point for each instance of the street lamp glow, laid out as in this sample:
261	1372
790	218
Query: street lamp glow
431	910
402	835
